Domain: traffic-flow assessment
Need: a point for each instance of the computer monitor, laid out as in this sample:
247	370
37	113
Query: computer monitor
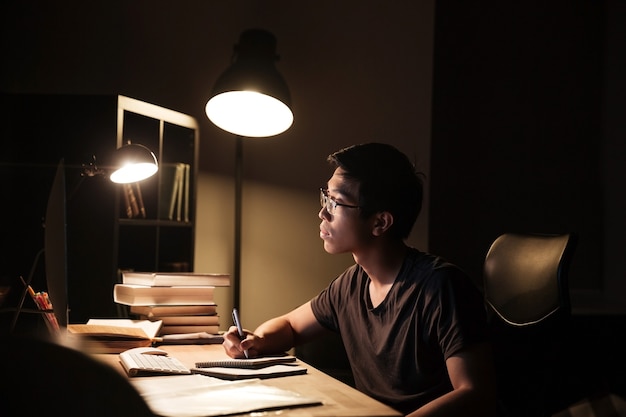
55	246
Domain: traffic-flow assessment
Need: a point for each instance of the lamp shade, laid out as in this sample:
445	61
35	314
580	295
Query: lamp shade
251	98
133	162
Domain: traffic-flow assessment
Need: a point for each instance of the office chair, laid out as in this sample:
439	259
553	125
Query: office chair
526	292
43	377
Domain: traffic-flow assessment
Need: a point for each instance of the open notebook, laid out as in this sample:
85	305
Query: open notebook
254	363
271	371
262	367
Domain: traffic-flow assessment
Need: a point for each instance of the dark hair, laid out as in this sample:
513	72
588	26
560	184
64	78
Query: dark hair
387	181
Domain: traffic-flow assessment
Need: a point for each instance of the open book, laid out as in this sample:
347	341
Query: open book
115	335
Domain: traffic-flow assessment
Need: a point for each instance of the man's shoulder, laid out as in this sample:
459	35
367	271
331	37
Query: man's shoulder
429	261
351	274
433	269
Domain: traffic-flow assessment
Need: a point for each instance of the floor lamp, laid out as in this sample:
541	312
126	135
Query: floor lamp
250	99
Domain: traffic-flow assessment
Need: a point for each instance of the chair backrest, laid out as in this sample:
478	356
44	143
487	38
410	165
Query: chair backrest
525	276
526	292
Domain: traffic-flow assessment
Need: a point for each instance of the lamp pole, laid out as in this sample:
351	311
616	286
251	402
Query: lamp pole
238	198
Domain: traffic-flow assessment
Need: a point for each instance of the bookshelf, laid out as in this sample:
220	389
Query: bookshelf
160	241
40	129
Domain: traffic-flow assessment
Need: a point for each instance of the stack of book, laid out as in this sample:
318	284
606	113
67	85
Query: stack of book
183	302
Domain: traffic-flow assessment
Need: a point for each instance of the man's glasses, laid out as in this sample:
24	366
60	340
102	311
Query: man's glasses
329	203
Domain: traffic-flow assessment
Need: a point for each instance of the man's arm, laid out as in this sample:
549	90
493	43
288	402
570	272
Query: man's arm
275	335
472	375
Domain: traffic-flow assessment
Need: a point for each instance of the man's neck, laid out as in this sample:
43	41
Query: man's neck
382	264
383	268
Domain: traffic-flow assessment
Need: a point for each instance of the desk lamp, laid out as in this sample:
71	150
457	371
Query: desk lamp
250	99
132	162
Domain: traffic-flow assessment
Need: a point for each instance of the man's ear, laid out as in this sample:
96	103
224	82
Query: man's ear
382	222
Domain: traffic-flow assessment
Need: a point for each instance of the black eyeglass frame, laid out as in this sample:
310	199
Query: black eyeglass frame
330	204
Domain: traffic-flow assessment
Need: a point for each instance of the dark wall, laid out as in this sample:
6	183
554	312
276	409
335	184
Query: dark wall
517	134
39	131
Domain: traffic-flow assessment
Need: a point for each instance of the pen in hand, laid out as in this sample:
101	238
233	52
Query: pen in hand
239	328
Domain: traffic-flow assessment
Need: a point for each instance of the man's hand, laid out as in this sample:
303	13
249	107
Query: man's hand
234	346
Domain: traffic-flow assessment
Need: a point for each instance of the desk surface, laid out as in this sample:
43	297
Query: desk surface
339	399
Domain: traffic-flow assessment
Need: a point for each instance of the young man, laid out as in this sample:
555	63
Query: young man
413	325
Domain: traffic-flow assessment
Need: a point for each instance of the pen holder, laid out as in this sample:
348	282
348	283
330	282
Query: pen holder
41	300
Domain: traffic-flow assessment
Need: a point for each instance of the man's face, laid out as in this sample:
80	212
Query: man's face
342	229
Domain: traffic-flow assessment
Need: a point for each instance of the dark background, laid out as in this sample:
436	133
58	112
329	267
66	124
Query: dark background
522	136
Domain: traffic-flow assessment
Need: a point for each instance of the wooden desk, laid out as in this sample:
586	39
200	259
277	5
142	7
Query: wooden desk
339	399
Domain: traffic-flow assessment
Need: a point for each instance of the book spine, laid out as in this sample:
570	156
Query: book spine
186	201
174	310
179	197
133	207
142	208
165	301
127	206
175	279
144	295
186	320
176	189
188	329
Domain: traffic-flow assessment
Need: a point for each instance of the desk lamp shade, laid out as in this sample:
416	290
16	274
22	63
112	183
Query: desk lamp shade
251	98
134	163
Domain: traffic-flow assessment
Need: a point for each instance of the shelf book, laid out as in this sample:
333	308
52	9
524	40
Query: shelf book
133	200
142	295
168	279
174	204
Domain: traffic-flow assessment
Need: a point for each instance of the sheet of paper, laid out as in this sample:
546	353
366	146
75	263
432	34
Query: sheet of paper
197	396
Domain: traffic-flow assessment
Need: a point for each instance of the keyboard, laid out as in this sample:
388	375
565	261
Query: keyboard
150	361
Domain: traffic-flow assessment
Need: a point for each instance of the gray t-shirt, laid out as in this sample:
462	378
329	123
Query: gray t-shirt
397	350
